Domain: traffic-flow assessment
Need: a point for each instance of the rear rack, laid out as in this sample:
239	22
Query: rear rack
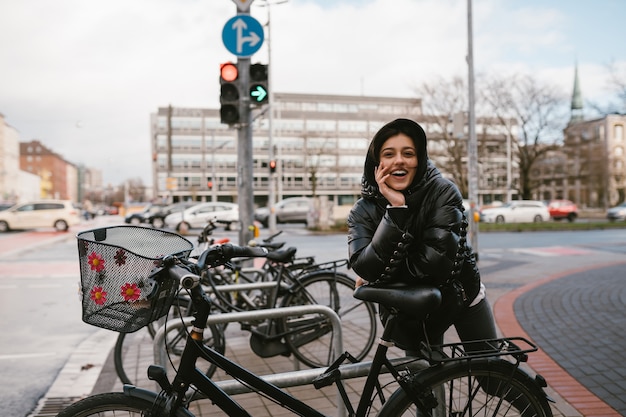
518	347
330	265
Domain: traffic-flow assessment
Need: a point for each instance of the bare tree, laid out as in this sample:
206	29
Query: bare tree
442	99
617	84
136	189
540	112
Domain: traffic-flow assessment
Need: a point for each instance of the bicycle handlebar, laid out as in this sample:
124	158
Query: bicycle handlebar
219	255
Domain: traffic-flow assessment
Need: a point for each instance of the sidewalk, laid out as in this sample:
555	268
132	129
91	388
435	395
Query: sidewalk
531	278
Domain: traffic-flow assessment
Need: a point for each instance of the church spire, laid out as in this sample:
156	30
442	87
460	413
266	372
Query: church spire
577	100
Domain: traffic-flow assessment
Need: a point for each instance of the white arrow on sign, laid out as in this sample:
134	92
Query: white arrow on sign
253	38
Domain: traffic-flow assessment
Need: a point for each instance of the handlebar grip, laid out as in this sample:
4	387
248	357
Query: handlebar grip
230	251
219	255
187	279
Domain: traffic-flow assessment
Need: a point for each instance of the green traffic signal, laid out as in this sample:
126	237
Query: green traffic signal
259	92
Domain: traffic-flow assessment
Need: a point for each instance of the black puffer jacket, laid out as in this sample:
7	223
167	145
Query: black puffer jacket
426	242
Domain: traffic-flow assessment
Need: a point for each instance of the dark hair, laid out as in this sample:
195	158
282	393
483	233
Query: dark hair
406	126
393	128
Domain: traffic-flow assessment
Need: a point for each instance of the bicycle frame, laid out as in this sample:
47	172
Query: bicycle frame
188	375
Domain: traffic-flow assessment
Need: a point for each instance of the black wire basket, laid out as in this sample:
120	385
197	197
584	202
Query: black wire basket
122	289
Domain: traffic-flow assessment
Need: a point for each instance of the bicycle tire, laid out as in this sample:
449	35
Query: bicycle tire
309	337
213	337
467	379
115	404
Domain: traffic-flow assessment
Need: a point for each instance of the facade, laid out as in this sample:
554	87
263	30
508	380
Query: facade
318	141
53	170
590	168
595	161
9	162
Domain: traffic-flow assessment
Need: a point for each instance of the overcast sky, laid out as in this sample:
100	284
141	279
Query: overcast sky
83	76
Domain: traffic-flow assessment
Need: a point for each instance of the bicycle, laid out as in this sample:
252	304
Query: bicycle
286	281
486	383
175	341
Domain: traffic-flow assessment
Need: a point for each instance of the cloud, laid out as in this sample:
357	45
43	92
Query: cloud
110	64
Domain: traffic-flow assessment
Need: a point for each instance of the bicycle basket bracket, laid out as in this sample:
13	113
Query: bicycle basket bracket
120	289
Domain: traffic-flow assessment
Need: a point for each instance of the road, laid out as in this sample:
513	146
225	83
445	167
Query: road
41	317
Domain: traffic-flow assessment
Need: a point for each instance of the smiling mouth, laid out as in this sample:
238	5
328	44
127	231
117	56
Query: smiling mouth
399	173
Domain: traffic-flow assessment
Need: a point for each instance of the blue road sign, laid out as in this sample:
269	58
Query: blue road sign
243	35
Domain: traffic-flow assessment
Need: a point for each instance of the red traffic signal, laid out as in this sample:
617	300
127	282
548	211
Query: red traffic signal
229	93
229	72
272	166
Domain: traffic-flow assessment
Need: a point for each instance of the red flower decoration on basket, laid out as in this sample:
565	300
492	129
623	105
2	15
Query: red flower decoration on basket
120	257
130	292
98	295
96	261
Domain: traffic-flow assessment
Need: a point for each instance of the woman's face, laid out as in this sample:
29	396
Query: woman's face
398	157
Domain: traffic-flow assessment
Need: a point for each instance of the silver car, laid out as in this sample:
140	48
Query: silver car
617	213
289	210
198	216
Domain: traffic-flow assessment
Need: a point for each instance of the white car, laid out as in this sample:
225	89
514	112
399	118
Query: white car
517	211
60	214
198	216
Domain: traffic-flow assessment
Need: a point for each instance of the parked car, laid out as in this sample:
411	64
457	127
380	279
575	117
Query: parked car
157	219
137	218
60	214
289	210
4	206
563	209
617	213
517	211
198	216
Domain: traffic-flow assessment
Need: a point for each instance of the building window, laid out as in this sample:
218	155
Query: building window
618	132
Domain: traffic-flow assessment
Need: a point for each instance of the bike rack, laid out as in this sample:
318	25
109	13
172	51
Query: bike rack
160	354
283	379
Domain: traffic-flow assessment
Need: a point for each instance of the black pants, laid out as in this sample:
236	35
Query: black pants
472	323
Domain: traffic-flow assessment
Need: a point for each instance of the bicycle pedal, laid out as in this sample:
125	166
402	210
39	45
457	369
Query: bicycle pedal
327	378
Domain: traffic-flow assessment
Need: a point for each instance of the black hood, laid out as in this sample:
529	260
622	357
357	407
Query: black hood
369	187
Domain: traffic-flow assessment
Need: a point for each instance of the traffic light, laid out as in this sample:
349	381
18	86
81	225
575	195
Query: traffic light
209	183
272	166
229	93
259	93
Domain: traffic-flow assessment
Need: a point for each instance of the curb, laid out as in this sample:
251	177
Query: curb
78	376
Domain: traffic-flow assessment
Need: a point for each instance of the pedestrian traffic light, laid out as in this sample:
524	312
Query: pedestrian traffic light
272	166
259	93
229	93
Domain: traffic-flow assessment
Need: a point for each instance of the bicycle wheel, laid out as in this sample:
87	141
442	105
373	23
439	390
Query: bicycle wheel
479	387
112	405
175	342
310	336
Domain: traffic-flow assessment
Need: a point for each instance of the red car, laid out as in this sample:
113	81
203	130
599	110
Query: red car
563	209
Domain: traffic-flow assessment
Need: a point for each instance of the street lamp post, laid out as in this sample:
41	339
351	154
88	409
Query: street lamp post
472	147
271	194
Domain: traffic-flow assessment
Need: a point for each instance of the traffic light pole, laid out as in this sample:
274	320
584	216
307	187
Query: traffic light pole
245	159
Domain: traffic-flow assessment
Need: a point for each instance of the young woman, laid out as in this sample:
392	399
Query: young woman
409	225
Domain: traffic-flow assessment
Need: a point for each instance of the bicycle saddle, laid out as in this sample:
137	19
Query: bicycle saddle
414	300
283	255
